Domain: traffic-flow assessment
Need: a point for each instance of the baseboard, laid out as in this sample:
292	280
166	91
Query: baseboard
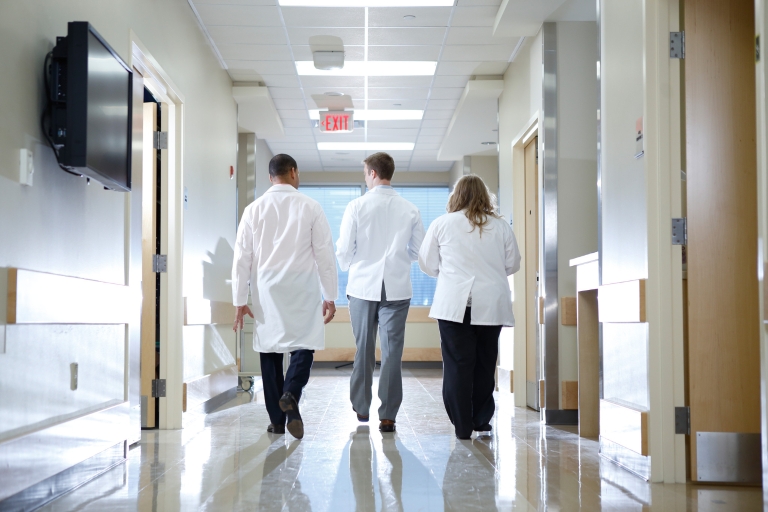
200	390
409	354
68	480
561	417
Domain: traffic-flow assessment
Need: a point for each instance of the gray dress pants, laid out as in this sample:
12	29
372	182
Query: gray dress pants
389	317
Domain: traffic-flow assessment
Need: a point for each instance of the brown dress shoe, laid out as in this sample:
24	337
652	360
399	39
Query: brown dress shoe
387	426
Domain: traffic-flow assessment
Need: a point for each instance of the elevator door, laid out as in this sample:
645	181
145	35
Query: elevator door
723	344
531	274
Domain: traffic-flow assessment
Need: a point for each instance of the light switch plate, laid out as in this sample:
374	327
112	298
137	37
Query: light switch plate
26	167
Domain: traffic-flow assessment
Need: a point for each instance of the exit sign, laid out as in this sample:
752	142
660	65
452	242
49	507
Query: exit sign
338	121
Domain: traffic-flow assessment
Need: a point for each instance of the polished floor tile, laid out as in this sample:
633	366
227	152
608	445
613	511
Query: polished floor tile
227	461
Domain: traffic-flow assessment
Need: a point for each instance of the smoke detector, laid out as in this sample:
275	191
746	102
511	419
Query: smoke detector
328	60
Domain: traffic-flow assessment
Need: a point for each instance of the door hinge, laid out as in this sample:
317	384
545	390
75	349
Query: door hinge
159	263
680	231
160	140
158	388
683	420
677	45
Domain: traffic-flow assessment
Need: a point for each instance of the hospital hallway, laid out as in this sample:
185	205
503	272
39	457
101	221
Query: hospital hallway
227	461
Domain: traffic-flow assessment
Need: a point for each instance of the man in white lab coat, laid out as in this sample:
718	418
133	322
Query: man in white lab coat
284	254
380	237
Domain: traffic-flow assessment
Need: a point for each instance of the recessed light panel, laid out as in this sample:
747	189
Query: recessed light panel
366	3
365	146
379	115
371	68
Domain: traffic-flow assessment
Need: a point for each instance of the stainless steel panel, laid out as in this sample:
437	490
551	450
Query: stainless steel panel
625	363
548	142
623	425
61	483
729	457
30	459
532	395
134	262
631	461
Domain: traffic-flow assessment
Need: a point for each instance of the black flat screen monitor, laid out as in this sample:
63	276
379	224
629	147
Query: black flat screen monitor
92	95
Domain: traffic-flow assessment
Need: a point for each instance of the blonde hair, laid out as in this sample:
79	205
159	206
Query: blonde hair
471	195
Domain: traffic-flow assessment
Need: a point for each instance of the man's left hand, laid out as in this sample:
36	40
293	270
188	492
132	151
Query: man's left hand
329	311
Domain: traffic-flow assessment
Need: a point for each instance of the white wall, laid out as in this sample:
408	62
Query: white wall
62	226
487	167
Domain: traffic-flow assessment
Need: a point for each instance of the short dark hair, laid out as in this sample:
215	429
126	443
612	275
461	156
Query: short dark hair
281	164
382	163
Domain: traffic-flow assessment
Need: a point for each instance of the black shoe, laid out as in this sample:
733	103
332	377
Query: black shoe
290	407
387	426
276	429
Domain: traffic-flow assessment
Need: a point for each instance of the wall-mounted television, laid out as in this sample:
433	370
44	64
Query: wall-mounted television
88	115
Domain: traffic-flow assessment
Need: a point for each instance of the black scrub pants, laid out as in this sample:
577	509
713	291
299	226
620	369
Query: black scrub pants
469	372
275	384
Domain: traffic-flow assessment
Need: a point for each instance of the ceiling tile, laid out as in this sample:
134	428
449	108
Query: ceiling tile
286	92
293	114
393	134
407	36
304	52
239	15
289	104
264	67
432	146
324	17
477	36
443	104
428	139
387	93
474	16
247	35
244	75
394	125
428	53
451	80
348	35
472	52
331	82
491	68
399	81
281	80
435	123
254	52
429	132
446	93
393	16
396	104
438	114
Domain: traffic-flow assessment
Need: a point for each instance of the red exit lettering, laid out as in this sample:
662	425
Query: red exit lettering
336	123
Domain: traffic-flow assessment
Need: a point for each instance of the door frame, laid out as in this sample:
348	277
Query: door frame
171	301
529	131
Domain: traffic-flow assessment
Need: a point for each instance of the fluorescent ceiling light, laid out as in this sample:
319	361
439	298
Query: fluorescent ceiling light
365	146
371	68
379	115
367	3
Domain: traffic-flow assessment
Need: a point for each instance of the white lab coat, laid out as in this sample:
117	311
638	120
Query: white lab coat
464	263
380	237
284	250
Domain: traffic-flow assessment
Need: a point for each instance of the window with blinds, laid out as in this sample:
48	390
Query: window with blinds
431	202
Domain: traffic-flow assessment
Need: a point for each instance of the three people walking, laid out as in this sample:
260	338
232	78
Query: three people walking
284	256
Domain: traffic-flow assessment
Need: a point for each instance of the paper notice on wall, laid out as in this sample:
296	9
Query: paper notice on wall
639	145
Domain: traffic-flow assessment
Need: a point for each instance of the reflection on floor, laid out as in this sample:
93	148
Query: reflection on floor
227	461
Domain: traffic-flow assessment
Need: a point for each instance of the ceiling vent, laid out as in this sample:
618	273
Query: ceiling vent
328	60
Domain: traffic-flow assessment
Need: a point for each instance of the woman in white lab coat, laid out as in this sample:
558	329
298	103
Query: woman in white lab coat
471	250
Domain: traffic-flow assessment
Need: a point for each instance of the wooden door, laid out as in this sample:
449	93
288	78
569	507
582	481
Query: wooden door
723	363
531	269
149	217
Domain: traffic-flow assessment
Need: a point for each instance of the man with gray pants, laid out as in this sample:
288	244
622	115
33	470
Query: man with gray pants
381	234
